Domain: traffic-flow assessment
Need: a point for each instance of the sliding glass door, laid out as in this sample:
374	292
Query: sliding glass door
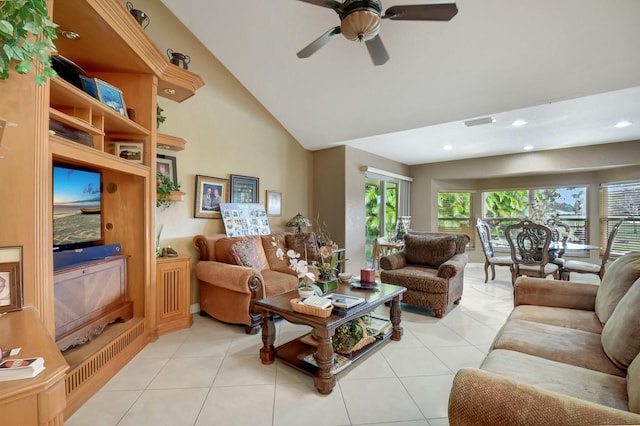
381	205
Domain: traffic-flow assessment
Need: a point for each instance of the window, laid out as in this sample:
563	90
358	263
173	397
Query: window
380	210
502	208
454	214
620	201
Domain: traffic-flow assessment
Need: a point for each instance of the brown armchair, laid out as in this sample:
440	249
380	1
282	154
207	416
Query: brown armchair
431	267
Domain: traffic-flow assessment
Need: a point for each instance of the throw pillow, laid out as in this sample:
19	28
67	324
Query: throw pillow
430	250
621	334
304	244
246	253
223	250
270	244
618	277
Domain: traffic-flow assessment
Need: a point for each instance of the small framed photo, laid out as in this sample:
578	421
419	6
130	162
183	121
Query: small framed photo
111	96
166	166
132	151
210	193
10	279
244	189
274	203
90	86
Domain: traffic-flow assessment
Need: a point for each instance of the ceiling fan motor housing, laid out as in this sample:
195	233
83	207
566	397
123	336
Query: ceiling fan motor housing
360	19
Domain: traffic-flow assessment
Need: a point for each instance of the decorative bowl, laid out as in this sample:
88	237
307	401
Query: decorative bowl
345	276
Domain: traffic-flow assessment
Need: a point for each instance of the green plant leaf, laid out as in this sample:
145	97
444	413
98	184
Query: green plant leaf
23	67
32	28
6	29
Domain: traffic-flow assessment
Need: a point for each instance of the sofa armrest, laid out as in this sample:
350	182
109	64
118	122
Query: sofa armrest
393	261
479	397
555	293
451	267
232	277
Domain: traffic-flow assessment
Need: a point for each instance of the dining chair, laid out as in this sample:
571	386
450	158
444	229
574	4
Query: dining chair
490	259
529	243
559	235
588	267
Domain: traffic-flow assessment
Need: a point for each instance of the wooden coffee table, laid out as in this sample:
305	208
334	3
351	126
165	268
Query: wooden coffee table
291	353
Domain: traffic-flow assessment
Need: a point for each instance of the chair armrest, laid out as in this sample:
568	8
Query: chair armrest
555	293
393	261
451	267
232	277
479	397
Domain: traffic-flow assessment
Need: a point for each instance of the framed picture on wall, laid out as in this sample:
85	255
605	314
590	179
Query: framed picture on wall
274	203
210	193
166	166
244	189
10	278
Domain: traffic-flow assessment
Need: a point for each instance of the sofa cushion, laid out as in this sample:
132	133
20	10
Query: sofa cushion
304	244
621	334
578	382
270	245
566	345
616	281
562	317
633	385
277	282
223	250
428	249
245	253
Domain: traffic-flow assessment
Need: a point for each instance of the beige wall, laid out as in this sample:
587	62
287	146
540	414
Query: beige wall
589	166
227	132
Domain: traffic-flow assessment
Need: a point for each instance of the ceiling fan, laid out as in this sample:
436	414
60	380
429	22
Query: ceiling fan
360	21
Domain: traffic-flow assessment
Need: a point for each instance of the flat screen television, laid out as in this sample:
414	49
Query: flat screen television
77	207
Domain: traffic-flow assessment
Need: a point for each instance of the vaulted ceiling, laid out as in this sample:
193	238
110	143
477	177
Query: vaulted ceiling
569	68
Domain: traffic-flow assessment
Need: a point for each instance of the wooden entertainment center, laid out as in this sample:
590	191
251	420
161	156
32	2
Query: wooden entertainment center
114	48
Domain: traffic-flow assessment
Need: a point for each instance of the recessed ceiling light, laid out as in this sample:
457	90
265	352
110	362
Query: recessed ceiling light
447	147
528	147
622	123
518	123
479	121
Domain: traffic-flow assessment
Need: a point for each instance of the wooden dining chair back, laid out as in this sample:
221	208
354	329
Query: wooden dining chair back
379	250
529	243
559	235
490	259
593	268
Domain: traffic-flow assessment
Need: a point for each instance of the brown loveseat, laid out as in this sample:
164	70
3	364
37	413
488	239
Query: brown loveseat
567	355
233	272
431	267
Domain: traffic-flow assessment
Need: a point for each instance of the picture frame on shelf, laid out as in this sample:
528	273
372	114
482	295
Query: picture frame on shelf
210	193
131	151
111	96
274	203
244	189
10	278
90	86
166	166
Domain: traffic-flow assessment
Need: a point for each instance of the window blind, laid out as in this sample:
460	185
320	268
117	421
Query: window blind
620	201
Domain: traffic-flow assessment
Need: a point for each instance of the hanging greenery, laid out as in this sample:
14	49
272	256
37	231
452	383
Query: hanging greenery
26	35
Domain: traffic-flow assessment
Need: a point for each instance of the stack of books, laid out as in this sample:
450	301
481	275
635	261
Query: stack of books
342	304
14	369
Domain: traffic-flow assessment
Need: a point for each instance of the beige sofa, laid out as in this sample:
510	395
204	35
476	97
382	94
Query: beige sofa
233	272
567	355
431	267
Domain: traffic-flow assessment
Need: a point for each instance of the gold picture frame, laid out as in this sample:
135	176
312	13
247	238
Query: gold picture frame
210	193
274	203
10	279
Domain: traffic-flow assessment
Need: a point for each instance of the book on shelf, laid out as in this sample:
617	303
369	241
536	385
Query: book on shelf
378	326
340	362
14	369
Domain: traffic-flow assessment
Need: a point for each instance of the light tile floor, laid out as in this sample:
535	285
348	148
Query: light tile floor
211	374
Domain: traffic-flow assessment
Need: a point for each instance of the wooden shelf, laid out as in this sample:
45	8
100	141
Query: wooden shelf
173	143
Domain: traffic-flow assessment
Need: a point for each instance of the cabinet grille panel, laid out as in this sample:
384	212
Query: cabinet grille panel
171	292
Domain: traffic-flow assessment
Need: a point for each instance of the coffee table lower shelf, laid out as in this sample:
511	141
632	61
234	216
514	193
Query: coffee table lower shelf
293	352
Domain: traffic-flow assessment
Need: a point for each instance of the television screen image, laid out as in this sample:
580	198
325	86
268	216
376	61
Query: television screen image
76	208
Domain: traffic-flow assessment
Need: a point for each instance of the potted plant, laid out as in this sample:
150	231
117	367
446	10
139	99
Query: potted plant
160	117
26	35
164	188
308	289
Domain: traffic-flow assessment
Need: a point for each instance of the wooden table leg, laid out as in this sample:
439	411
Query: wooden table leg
395	314
268	351
324	379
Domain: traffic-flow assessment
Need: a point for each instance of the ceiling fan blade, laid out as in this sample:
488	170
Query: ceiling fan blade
331	4
422	12
315	45
376	49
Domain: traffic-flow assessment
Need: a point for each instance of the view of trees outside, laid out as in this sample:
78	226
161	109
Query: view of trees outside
502	208
373	228
454	213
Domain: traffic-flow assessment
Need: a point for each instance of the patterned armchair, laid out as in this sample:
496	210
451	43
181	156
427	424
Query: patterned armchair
431	267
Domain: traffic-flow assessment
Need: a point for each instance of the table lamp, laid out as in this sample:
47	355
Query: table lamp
297	222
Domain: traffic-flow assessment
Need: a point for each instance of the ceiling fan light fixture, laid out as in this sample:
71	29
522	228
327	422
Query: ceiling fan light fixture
361	25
